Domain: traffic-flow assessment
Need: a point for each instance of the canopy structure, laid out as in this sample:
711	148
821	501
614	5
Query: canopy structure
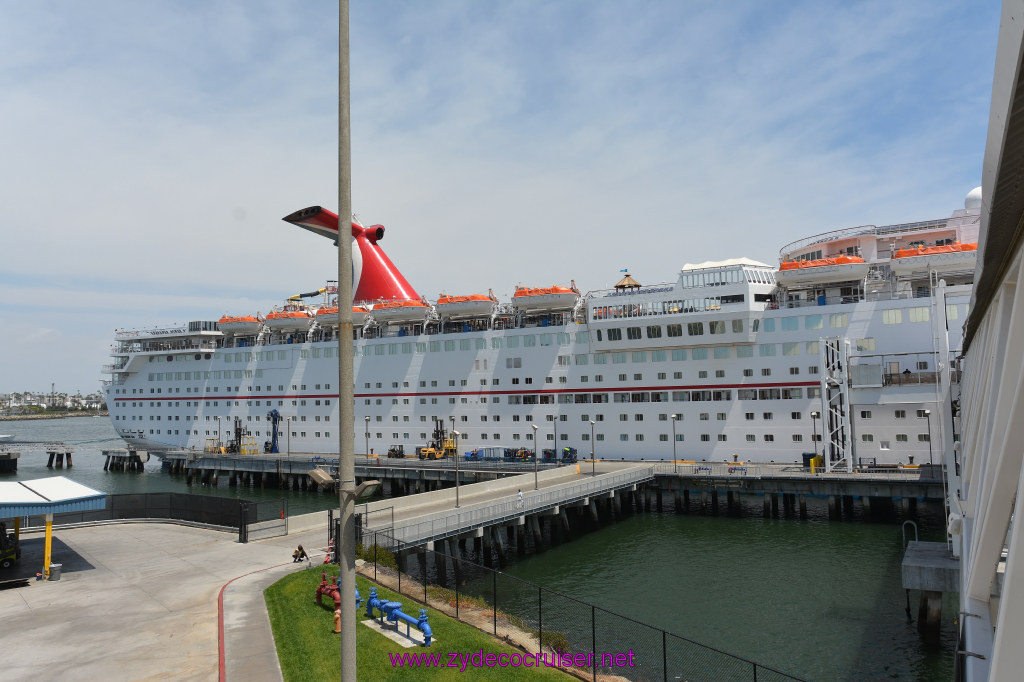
46	497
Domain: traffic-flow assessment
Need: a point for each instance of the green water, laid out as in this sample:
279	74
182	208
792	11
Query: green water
815	598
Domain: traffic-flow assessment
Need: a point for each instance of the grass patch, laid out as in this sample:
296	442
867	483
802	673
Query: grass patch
309	650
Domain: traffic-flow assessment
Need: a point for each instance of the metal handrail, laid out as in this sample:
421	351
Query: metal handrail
444	523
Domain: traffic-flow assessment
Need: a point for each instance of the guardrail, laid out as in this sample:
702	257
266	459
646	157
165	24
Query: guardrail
446	523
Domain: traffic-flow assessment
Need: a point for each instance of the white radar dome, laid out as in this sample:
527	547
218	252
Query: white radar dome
973	199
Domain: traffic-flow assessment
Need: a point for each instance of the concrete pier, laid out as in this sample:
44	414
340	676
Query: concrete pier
930	568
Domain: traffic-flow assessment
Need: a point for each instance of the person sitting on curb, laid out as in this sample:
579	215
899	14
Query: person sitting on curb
299	554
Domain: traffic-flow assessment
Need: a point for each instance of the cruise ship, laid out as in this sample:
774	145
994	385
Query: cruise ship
844	349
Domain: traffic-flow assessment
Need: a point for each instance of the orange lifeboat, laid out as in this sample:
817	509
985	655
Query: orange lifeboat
924	258
399	311
328	317
243	325
291	319
822	270
545	298
473	305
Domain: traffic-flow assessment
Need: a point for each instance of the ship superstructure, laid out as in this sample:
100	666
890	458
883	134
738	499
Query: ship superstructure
844	349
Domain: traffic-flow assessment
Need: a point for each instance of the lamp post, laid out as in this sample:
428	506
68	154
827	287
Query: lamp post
557	461
814	437
928	416
218	434
535	486
288	425
367	434
455	435
675	462
455	442
593	462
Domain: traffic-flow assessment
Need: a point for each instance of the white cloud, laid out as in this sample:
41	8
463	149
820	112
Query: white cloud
151	150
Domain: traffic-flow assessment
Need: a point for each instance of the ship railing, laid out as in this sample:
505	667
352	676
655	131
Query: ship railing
847	232
446	524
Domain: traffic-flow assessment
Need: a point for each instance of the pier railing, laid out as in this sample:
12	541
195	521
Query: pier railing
445	523
598	642
741	470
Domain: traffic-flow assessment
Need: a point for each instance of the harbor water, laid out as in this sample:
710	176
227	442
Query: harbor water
816	598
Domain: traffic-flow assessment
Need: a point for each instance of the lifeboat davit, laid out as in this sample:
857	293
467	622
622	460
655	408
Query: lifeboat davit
545	298
473	305
244	325
290	320
328	317
823	270
399	311
924	259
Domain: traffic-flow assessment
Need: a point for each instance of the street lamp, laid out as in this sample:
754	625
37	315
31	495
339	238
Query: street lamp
535	486
218	434
593	462
455	435
928	416
675	462
455	443
814	437
557	461
367	439
288	425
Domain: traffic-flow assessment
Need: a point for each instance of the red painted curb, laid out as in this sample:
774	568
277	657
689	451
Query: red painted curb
220	618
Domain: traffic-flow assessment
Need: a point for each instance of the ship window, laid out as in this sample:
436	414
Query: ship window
716	327
678	354
654	331
640	356
674	330
918	314
513	342
702	374
700	353
791	348
545	339
496	343
529	340
435	346
449	345
722	352
766	349
633	333
769	325
744	351
838	320
615	334
695	328
892	316
813	322
865	344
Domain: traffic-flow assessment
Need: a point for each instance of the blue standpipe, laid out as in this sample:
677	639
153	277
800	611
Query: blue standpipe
392	611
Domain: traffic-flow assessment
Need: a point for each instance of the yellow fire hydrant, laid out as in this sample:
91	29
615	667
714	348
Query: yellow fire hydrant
337	621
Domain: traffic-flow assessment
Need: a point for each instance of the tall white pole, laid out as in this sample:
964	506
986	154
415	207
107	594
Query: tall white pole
346	406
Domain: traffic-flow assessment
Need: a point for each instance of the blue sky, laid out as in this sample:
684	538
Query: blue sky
149	149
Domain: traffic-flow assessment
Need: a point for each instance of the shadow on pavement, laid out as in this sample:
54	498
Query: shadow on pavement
31	561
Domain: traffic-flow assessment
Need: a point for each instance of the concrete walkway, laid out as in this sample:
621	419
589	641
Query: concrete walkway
139	601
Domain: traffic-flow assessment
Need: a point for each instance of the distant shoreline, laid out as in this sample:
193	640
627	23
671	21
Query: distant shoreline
31	417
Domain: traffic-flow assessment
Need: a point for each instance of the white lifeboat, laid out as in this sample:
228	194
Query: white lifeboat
243	325
473	305
822	270
328	317
291	319
545	298
925	259
399	311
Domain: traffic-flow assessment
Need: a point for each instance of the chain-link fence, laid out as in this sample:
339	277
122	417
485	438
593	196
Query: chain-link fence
565	630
